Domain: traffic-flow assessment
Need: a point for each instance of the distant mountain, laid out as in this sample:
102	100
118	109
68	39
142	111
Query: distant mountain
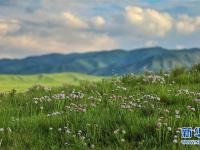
104	62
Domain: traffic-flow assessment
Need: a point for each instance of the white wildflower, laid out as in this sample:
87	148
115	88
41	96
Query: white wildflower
169	128
122	140
175	141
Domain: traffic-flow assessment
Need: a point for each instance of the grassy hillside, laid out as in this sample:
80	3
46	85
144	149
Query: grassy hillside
104	62
128	112
23	82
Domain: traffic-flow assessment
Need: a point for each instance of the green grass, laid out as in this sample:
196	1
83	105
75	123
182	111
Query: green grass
23	82
119	113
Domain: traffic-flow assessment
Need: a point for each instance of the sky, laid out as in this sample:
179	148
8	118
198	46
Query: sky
36	27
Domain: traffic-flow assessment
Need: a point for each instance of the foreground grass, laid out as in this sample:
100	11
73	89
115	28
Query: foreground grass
23	82
129	112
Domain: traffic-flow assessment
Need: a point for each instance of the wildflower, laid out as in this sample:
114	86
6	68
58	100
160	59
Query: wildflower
175	141
177	131
123	131
177	112
79	132
92	146
68	131
59	129
82	138
66	143
154	79
122	140
1	129
193	109
197	100
177	116
159	124
166	75
169	128
175	136
166	110
159	119
50	129
116	131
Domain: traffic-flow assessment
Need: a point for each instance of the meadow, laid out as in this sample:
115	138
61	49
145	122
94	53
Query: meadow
23	82
139	112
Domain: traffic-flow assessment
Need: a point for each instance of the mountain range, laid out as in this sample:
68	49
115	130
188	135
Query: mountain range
103	62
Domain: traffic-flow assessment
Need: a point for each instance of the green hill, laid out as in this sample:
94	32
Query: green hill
22	82
103	62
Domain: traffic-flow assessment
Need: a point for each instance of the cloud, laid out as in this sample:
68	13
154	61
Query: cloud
77	22
187	24
7	26
41	45
150	43
149	21
98	21
74	21
47	26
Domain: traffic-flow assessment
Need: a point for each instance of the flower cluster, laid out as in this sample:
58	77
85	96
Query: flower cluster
8	129
185	92
154	79
76	107
59	96
121	88
197	100
150	97
175	140
191	108
130	105
42	99
55	113
120	133
76	95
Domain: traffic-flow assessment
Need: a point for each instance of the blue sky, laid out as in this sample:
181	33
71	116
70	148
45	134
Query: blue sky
35	27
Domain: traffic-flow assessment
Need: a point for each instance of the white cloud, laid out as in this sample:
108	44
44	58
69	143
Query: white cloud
8	26
98	21
40	45
74	21
62	26
187	24
150	43
77	22
149	21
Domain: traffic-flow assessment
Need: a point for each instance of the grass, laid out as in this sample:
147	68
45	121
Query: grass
23	82
140	112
